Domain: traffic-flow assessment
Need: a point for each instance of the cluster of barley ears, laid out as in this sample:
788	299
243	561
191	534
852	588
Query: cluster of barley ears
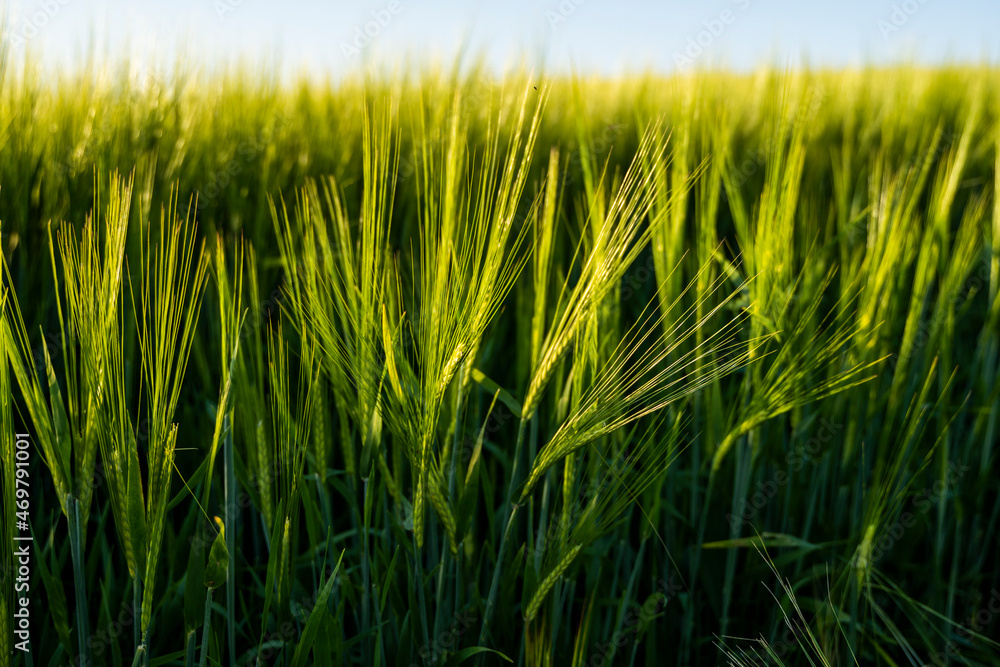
428	368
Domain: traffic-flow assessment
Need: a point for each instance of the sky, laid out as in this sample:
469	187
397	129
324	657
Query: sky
335	38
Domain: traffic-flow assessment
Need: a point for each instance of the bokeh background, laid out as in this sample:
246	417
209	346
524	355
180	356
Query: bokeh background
595	36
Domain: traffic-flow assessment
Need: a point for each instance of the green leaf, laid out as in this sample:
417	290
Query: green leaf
466	653
218	560
373	436
467	500
530	582
55	604
136	512
166	659
189	484
273	564
315	618
194	595
314	522
388	578
492	387
369	493
60	422
767	540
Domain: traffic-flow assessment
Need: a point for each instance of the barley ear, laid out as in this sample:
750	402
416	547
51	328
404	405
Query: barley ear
440	505
548	582
418	511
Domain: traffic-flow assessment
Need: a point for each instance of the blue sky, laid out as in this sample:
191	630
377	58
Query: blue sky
605	36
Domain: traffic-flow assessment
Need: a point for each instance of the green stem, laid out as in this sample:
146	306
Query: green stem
230	536
456	429
205	634
76	551
511	510
686	639
418	575
192	643
379	633
365	571
136	611
491	600
440	614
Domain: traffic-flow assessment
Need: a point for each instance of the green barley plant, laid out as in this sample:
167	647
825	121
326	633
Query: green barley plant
434	366
174	272
70	428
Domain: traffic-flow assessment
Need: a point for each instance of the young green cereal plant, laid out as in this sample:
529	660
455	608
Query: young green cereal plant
68	429
169	303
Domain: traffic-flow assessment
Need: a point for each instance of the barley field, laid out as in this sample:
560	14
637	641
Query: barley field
439	368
